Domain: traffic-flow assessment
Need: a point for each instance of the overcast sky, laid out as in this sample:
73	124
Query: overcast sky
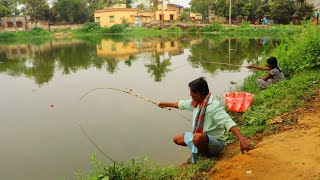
184	3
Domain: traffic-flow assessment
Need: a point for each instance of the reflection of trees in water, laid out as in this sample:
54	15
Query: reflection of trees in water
130	60
41	67
158	68
72	57
219	50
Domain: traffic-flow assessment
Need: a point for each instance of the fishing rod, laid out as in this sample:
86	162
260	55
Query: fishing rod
128	92
210	62
214	62
133	94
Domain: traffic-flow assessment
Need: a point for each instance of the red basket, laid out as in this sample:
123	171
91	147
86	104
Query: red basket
238	101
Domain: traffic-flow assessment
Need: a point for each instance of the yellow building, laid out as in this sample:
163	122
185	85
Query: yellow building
117	14
169	12
195	17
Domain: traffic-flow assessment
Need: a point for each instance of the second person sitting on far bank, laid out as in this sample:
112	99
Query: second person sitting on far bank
275	74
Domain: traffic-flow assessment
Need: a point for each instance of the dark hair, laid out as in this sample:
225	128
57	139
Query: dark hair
273	62
199	85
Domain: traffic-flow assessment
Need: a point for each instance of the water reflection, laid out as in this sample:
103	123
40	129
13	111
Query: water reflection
40	61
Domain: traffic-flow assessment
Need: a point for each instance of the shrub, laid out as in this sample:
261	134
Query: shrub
244	24
212	27
91	27
301	53
117	28
173	29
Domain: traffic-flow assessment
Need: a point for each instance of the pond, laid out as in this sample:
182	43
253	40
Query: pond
47	131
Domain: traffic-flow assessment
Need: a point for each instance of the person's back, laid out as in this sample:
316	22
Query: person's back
277	75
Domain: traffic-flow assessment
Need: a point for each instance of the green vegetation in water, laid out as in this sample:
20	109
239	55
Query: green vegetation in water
145	169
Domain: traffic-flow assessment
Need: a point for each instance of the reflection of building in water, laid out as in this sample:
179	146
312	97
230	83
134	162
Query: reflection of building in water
19	51
122	50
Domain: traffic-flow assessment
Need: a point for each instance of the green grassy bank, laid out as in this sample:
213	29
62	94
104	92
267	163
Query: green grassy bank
90	29
299	58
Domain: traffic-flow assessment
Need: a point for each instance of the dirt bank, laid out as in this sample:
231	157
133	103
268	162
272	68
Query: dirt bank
290	154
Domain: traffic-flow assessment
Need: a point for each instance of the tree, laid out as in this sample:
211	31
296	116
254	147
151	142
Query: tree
141	6
184	16
200	6
72	11
12	5
36	9
305	11
281	11
4	11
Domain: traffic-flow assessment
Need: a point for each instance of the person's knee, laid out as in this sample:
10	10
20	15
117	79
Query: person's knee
199	139
177	139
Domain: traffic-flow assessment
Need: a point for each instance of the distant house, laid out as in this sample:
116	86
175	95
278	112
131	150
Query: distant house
117	14
169	12
15	23
195	17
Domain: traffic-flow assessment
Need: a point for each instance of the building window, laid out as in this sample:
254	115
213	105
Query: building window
160	17
97	19
171	17
10	24
111	18
19	24
172	44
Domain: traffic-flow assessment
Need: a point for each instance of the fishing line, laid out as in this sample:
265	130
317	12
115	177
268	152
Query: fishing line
96	144
133	94
120	90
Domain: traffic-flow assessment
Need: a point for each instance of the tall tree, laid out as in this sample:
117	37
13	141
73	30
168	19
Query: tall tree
281	11
36	9
304	11
72	11
12	5
4	11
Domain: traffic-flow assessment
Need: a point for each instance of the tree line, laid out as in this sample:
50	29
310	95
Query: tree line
80	11
70	11
281	11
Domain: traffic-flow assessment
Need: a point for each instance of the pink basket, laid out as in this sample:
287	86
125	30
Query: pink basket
238	101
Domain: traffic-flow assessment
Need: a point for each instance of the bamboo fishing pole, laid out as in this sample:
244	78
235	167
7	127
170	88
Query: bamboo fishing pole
133	94
214	62
128	92
210	62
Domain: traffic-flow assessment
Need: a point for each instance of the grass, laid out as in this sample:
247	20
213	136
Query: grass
34	33
145	169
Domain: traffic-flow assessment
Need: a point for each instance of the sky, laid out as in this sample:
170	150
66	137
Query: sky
184	3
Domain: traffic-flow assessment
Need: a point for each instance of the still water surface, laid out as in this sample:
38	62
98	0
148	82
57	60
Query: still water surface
39	141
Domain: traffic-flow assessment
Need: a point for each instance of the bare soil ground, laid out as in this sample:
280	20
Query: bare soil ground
291	153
